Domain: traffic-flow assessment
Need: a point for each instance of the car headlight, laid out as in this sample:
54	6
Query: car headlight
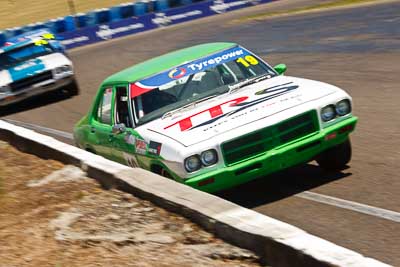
4	89
62	69
192	163
209	157
328	113
343	107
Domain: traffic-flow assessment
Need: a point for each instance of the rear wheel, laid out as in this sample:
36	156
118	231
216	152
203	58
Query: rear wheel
335	158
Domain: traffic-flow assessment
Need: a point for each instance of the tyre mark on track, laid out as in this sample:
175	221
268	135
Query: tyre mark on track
328	200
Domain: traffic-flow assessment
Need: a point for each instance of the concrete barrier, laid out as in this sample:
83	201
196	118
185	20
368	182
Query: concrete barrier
277	243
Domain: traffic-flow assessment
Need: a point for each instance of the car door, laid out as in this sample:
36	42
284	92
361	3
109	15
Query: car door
125	147
125	139
101	125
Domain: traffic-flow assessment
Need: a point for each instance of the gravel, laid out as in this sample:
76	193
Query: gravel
52	215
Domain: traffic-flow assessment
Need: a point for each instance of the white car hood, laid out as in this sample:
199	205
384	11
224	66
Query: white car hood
54	60
229	111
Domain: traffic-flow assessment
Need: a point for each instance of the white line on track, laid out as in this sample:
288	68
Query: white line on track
333	201
350	205
41	128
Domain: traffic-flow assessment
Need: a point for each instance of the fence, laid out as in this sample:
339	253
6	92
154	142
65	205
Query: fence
129	18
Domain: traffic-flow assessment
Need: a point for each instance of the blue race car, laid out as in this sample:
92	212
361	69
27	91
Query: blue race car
34	63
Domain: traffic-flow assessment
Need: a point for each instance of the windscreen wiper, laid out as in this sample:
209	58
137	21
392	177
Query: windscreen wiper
234	87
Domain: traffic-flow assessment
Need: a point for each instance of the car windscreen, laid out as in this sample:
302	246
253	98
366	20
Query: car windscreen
18	55
195	81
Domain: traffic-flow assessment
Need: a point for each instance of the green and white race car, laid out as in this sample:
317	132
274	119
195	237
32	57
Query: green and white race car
215	116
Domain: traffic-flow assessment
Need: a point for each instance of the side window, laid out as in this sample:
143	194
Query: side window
121	107
104	109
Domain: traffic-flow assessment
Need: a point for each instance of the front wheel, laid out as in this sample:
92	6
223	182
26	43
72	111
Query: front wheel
73	88
166	174
70	90
335	158
161	171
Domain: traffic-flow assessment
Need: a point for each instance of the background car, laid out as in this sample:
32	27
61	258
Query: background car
33	63
214	116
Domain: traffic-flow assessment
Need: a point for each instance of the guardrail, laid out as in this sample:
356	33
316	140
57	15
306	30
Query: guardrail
130	18
276	242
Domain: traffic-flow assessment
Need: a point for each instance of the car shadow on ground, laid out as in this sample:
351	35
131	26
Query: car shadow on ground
280	185
33	102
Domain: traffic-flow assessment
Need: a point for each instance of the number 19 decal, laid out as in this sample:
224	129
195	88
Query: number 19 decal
247	61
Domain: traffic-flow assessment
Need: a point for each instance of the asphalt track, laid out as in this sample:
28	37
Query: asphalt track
357	49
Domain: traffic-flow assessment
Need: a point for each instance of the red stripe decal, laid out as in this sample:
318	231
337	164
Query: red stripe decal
215	111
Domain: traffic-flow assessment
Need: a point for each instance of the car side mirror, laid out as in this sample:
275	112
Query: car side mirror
118	128
280	68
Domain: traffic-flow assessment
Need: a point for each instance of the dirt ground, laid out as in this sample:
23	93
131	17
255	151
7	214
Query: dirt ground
52	215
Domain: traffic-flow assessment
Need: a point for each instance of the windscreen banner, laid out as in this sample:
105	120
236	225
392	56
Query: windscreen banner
190	68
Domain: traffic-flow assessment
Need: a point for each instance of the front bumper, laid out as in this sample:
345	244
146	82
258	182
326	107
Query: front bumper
300	151
37	89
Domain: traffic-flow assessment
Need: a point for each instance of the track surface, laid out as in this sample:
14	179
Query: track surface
357	49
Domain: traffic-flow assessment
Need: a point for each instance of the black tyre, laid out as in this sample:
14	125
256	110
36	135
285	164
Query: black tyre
73	88
161	171
335	158
166	174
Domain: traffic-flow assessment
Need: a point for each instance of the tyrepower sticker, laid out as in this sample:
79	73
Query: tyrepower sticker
212	61
236	53
177	73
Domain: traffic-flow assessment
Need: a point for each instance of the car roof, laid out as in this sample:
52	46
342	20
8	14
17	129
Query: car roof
165	62
22	39
15	46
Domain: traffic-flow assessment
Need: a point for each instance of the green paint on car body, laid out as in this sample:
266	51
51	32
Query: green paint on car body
273	160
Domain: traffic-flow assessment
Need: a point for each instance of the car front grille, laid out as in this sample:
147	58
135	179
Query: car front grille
26	82
268	138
